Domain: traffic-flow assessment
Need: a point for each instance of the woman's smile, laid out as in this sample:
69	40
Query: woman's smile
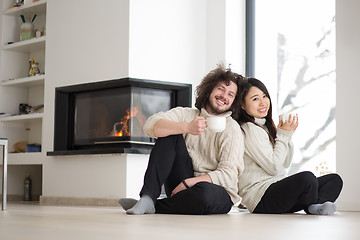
263	110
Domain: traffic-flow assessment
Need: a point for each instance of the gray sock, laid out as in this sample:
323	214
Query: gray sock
326	208
144	205
127	203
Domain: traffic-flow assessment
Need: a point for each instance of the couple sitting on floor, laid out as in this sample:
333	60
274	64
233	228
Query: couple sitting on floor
207	172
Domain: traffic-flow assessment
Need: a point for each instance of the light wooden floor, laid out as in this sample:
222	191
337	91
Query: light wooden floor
33	221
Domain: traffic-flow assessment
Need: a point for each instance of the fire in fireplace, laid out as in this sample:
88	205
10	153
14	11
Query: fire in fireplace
108	116
123	128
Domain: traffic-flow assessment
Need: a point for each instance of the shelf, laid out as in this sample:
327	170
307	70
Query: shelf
26	46
25	82
14	58
30	158
39	7
22	118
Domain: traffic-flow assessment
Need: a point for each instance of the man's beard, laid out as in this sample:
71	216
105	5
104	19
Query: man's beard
216	110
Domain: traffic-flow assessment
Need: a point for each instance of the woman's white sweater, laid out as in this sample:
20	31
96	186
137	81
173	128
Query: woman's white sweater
264	163
218	154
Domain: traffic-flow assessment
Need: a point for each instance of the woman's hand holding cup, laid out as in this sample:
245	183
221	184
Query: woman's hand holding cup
289	123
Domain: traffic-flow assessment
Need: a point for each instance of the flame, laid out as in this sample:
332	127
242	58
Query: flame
131	112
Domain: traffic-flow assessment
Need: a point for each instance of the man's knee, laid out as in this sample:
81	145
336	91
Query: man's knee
213	199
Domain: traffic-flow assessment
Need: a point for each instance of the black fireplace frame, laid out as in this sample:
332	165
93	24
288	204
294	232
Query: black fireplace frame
64	114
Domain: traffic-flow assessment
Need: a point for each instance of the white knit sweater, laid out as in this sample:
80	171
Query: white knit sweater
264	163
218	154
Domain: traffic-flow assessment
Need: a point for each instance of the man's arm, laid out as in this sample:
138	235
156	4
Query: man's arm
164	127
191	182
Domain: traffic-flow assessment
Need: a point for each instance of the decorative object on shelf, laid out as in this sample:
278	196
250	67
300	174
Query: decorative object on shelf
24	108
37	108
27	188
33	148
18	3
34	69
37	33
27	29
20	147
31	60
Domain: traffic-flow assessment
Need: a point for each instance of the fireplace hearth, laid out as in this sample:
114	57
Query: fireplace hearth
108	116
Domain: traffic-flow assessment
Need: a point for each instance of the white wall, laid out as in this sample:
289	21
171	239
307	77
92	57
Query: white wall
168	40
347	104
89	41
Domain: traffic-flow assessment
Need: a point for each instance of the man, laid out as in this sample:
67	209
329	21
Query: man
199	168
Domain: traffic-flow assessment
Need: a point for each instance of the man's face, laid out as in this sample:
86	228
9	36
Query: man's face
221	98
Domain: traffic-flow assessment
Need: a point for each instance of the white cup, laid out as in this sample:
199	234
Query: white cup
216	124
285	117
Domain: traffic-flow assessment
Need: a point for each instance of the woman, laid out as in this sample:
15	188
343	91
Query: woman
263	185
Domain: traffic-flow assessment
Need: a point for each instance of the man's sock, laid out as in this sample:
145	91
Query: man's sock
326	208
127	203
143	206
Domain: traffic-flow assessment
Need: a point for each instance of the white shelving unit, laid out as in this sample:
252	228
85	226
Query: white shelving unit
31	45
39	7
22	118
16	85
25	158
25	82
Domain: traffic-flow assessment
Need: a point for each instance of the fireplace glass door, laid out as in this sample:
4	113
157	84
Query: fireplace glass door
116	115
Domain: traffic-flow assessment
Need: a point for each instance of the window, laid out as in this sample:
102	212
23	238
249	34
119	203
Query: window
292	50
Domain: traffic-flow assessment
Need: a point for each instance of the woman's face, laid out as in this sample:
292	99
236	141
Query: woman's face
257	104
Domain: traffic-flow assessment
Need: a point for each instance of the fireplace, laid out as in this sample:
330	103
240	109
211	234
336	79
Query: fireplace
108	116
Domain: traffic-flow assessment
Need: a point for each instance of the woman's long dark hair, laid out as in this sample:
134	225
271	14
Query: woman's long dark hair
210	81
243	117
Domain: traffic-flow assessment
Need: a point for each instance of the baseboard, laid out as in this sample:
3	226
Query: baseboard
348	206
19	198
71	201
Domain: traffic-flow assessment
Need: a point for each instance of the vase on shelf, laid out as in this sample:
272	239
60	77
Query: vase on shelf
26	31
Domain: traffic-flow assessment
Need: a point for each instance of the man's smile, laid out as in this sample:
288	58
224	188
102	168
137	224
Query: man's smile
221	100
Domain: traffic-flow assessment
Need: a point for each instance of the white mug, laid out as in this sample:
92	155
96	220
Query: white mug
285	117
216	124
